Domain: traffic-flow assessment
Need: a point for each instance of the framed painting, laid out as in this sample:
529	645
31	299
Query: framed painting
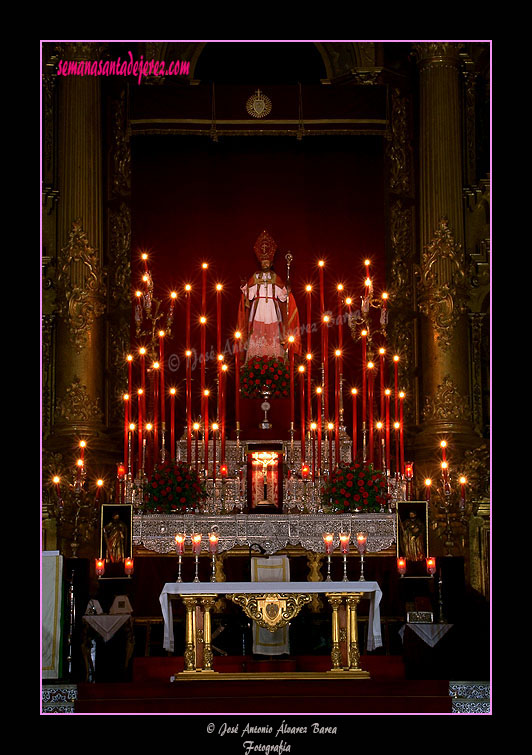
116	527
413	531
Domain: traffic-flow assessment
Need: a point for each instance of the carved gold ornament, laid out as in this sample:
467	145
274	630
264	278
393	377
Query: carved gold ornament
448	404
442	283
77	406
273	611
258	105
80	286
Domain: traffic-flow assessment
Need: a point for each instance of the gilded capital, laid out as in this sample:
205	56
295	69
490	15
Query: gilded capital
81	50
438	54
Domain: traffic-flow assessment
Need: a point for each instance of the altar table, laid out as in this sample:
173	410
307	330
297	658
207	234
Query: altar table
292	595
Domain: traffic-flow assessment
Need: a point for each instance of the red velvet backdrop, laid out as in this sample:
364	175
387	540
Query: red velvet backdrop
195	200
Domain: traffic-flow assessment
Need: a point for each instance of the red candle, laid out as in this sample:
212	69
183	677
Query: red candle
238	337
301	369
140	394
204	266
222	416
321	265
462	480
129	374
364	334
330	428
325	360
214	429
126	424
144	258
142	352
213	542
196	544
148	449
291	362
354	448
401	566
163	394
328	539
381	446
401	430
428	483
309	386
172	423
156	411
219	318
188	356
56	480
203	357
313	427
308	289
338	355
387	394
397	426
340	289
206	430
130	463
180	543
371	376
188	289
318	412
382	354
396	395
196	428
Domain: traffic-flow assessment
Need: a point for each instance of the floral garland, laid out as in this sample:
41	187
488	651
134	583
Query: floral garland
174	487
355	487
265	373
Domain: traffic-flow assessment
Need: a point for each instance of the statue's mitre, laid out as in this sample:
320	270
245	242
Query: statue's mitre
265	247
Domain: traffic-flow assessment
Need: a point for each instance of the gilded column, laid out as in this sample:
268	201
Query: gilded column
81	288
442	277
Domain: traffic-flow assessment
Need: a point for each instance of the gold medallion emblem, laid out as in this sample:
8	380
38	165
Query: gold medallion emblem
258	105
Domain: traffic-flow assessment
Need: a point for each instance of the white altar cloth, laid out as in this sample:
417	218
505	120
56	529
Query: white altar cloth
374	638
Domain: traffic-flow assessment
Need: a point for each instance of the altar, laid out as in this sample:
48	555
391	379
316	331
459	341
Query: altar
272	605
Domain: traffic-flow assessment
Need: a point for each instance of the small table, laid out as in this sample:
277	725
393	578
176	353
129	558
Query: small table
273	604
105	626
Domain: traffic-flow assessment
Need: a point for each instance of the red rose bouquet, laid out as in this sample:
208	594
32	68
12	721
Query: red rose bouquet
355	487
173	488
265	373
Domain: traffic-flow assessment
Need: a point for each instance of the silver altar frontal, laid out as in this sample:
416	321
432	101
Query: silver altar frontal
271	532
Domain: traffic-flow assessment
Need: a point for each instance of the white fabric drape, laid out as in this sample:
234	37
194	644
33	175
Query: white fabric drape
51	613
273	569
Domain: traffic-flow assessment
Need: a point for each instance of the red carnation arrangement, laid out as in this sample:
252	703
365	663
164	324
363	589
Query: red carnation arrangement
265	373
355	487
174	488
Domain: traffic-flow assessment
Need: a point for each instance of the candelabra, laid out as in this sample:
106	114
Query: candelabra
450	513
74	510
